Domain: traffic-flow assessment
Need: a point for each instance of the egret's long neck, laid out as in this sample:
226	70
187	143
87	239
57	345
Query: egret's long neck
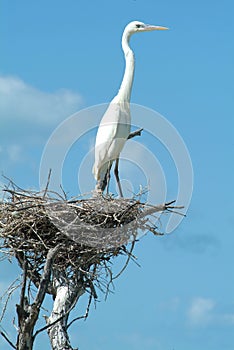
126	86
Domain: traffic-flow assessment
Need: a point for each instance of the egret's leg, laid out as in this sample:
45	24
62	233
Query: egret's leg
108	177
104	183
116	171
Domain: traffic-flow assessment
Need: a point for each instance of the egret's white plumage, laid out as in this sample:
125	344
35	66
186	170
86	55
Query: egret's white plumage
114	128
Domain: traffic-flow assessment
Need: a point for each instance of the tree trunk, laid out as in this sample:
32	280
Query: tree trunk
67	295
28	313
25	336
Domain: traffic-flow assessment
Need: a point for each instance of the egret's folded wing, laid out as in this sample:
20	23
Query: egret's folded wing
111	136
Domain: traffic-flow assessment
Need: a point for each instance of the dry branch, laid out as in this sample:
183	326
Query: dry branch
65	247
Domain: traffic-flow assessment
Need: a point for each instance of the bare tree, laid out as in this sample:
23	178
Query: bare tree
65	249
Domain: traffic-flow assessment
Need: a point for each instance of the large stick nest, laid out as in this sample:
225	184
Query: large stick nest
90	231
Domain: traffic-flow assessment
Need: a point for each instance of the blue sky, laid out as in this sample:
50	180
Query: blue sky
58	57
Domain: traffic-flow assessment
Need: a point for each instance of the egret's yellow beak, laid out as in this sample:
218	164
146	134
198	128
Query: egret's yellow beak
150	27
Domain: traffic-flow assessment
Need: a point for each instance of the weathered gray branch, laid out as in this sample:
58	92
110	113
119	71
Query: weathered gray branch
28	314
135	133
33	275
67	295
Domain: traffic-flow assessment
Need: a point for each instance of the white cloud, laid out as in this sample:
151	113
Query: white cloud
14	152
20	101
205	312
200	311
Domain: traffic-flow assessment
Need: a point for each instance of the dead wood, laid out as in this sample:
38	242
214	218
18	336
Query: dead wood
67	246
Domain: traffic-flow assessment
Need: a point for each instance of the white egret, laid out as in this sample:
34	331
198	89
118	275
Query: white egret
114	128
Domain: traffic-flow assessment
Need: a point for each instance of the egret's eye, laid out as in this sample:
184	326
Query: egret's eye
139	25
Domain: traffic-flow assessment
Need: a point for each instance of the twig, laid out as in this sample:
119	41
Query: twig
127	261
84	316
150	209
8	292
135	133
8	340
47	184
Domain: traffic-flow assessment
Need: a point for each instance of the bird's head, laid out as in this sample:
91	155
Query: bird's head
136	26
